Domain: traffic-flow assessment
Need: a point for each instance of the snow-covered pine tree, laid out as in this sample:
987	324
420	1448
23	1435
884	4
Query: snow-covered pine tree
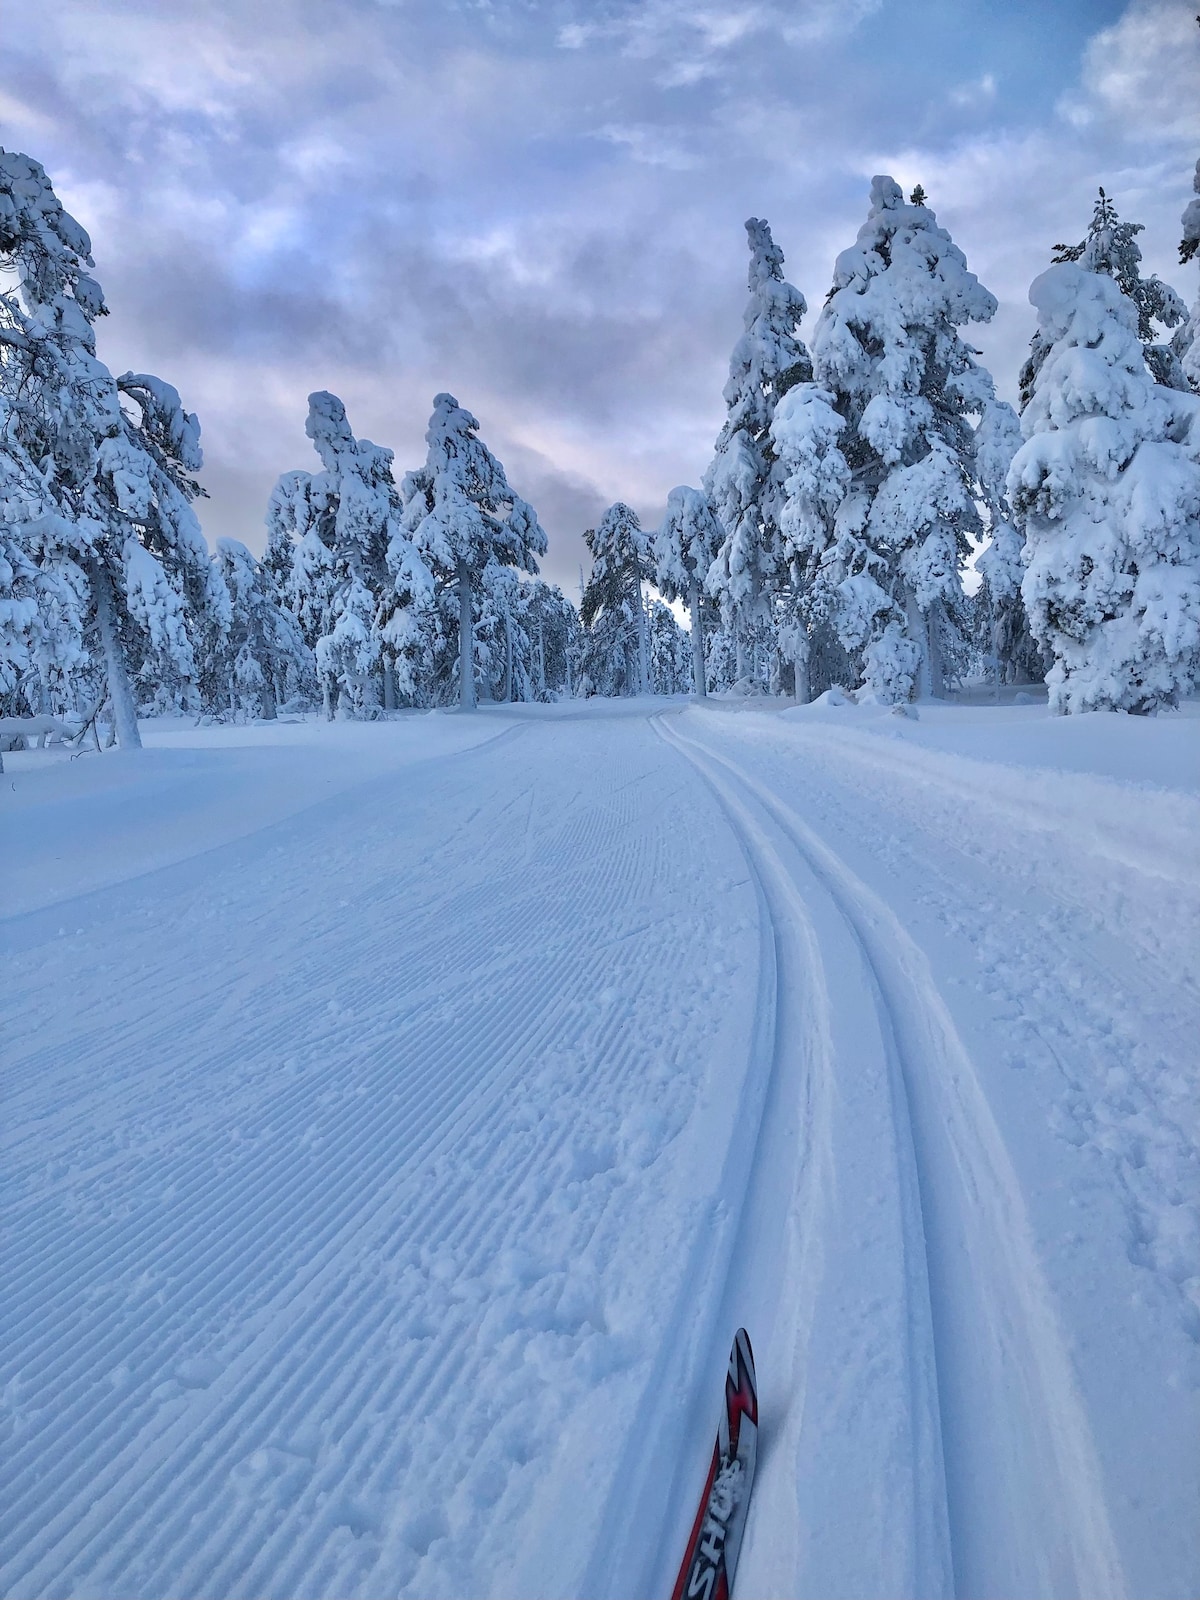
460	514
18	626
270	662
685	548
1186	343
671	665
720	657
290	514
312	591
113	483
1108	484
744	481
613	606
44	593
1111	246
44	663
879	452
300	563
1008	640
556	639
526	636
151	484
607	664
1189	245
504	667
350	573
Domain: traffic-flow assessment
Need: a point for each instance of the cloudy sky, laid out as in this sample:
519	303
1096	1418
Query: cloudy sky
538	204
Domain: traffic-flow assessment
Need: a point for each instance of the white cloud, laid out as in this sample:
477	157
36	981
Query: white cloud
652	146
21	119
979	92
693	37
1143	73
142	53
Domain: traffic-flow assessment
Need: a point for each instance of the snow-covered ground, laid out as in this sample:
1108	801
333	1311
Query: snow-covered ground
400	1118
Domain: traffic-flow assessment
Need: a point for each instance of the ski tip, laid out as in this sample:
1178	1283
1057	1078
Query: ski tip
741	1384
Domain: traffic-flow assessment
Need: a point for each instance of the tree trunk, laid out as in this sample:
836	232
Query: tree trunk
803	677
918	632
466	640
699	687
643	643
389	686
124	710
508	659
796	647
933	644
740	666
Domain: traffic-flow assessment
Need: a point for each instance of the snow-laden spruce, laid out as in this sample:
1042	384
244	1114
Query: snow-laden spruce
744	481
95	493
349	572
672	668
44	662
613	607
551	624
43	602
1186	343
880	455
1108	484
526	637
685	547
1111	246
1003	619
270	663
462	516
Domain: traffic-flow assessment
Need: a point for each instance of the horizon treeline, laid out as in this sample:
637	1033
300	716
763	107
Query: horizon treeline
851	486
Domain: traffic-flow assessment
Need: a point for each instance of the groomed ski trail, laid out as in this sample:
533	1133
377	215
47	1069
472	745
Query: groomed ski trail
362	1156
831	1215
380	1206
990	1420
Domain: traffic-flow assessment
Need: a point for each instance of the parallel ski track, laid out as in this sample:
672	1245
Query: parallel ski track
1094	895
654	1471
71	1467
775	1265
993	1324
1083	949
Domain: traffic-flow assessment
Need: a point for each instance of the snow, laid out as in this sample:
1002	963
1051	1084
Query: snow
402	1115
77	823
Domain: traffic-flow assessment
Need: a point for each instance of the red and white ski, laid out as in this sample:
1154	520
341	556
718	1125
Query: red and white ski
710	1560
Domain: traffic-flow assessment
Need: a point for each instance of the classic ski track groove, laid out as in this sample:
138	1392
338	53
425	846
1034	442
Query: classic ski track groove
651	1472
347	1223
272	1410
1075	894
1061	1447
1071	955
914	1522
